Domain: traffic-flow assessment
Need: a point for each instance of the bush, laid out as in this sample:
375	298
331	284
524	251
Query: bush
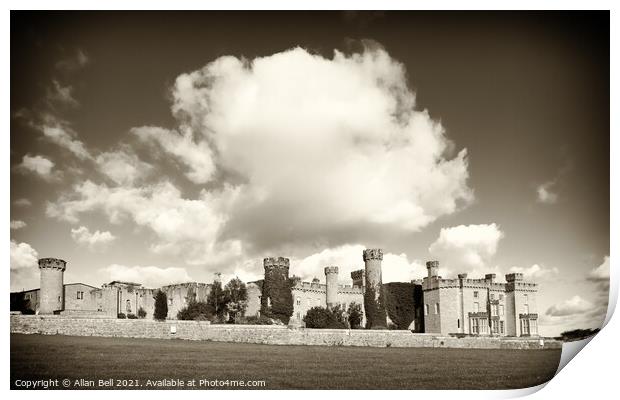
161	306
132	316
141	312
322	318
236	296
355	315
121	315
196	311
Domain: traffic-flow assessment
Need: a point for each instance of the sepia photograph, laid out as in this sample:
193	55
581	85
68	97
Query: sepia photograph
337	200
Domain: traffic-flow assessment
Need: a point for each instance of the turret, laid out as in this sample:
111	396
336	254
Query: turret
52	285
490	278
331	280
433	268
373	294
277	288
358	278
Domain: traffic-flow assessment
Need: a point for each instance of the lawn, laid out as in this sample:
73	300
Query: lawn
281	367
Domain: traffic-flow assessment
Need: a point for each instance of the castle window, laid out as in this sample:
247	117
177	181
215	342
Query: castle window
501	310
458	323
525	297
476	307
170	301
436	308
501	327
80	295
426	309
475	295
59	299
526	309
492	296
298	315
501	297
128	306
298	301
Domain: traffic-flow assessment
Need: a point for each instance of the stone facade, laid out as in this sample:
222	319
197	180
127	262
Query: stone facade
479	306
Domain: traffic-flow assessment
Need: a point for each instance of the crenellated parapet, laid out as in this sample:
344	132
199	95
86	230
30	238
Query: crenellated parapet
276	263
331	270
53	263
372	254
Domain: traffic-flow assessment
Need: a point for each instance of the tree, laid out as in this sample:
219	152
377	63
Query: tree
356	315
217	300
321	318
141	312
341	315
196	311
161	306
236	298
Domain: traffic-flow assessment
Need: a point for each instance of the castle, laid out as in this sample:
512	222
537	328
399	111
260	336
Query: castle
429	305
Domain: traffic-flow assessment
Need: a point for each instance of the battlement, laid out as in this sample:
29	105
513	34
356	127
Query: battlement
373	254
53	263
186	285
331	270
357	275
276	262
514	277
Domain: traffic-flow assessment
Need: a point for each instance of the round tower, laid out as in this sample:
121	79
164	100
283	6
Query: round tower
373	293
52	281
277	297
331	279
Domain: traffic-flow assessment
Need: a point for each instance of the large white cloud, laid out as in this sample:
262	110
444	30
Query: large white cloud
467	248
316	146
149	276
24	266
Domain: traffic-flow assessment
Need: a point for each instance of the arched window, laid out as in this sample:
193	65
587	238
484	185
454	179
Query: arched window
128	306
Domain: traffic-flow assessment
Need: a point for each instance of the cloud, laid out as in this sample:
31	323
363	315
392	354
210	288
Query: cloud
316	146
150	276
196	156
60	94
37	164
467	248
94	240
573	306
23	202
546	194
123	166
536	272
348	258
64	136
600	273
74	62
24	266
17	224
183	227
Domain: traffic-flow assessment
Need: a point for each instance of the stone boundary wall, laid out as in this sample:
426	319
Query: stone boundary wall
261	334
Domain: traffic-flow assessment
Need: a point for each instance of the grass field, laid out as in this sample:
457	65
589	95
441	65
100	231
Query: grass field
281	367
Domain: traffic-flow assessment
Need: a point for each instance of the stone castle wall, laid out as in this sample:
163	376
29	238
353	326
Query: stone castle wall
262	334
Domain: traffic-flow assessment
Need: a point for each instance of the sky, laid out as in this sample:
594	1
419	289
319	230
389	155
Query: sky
165	147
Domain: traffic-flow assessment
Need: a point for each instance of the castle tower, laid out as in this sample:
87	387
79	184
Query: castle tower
52	285
331	279
433	268
373	294
277	297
